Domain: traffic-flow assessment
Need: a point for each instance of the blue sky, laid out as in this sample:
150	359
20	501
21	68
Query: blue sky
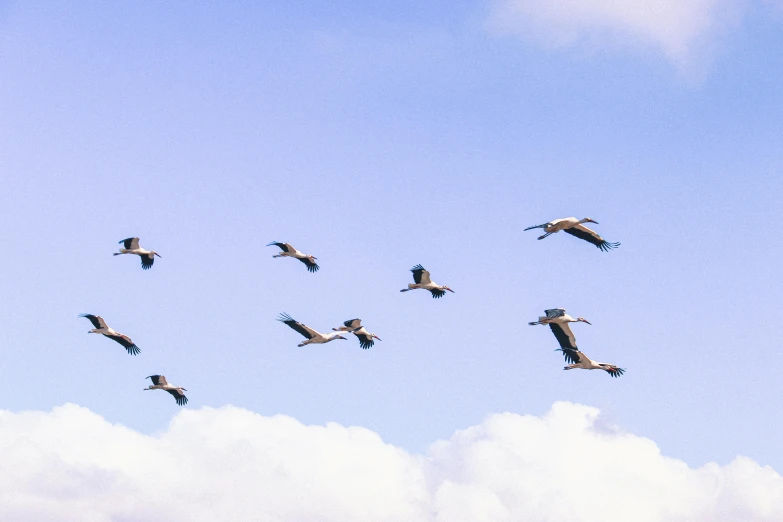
376	139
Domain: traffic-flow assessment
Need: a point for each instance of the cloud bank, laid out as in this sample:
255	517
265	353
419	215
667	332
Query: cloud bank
232	464
683	30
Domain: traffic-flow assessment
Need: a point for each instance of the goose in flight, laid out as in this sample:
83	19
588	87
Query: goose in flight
131	246
289	251
313	337
159	382
101	328
355	327
421	279
573	226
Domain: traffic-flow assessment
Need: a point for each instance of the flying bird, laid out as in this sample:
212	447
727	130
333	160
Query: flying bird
159	382
580	360
289	251
558	315
101	328
131	246
355	327
574	226
421	278
313	337
558	321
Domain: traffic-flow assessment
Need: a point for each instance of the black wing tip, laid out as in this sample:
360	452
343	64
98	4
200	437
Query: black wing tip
284	318
313	268
606	246
133	349
182	401
616	372
568	355
366	345
417	267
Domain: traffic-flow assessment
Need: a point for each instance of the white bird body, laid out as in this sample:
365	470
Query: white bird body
102	328
556	225
558	316
355	327
574	226
131	246
583	362
421	279
558	320
313	336
159	382
288	251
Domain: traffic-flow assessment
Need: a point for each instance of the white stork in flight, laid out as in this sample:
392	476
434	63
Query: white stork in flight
313	337
574	226
580	360
355	327
289	251
159	382
131	246
558	321
558	315
421	278
101	328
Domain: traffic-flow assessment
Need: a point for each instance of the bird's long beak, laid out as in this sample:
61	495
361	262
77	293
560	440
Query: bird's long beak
450	290
158	255
586	321
377	337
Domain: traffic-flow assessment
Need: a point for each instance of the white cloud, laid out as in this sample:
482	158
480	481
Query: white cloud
231	464
684	30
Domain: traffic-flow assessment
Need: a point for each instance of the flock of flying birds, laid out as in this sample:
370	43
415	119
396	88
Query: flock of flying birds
556	318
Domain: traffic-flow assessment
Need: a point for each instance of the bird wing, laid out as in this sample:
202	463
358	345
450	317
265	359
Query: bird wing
312	266
571	356
296	325
146	261
420	275
158	379
179	396
131	243
126	342
554	312
613	370
565	337
437	293
285	247
353	323
365	338
582	232
96	320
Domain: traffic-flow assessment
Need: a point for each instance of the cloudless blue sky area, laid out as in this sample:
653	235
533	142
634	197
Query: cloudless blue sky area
376	138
